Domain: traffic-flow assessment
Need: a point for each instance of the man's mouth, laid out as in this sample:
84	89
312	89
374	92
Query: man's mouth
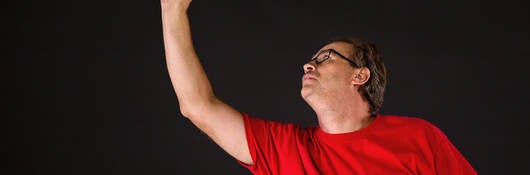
308	77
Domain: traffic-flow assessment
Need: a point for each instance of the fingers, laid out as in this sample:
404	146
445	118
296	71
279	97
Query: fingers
179	4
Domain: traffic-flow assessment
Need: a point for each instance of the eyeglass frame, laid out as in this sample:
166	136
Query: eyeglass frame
327	57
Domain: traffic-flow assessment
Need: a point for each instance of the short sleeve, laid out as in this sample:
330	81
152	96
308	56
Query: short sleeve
448	160
269	142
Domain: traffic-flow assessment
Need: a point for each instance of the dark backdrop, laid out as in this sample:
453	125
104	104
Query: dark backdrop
92	94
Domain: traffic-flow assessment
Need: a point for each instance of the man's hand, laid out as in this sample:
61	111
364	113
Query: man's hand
179	4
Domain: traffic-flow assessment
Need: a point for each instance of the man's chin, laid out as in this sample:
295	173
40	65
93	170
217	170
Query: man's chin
306	92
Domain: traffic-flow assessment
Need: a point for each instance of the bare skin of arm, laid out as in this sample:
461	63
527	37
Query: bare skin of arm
222	123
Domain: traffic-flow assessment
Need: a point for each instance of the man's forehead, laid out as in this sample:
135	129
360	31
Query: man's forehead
341	47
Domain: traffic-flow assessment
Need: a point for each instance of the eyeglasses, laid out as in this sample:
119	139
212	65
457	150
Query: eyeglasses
326	55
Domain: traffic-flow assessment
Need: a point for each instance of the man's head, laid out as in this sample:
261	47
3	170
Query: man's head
343	64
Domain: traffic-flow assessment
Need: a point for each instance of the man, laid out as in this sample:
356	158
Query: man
343	84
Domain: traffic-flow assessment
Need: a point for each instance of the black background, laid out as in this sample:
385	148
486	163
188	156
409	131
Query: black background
92	95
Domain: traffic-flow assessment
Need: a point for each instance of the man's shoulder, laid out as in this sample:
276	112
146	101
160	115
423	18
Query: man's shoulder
415	126
405	121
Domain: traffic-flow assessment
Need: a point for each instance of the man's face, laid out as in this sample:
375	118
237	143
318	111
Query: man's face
330	77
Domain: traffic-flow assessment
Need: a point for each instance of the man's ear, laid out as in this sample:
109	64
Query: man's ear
361	76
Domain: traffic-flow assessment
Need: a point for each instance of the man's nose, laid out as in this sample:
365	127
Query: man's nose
309	66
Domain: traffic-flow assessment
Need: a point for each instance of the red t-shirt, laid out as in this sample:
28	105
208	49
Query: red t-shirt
389	145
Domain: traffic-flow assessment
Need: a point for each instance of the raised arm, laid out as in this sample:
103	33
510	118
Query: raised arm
197	101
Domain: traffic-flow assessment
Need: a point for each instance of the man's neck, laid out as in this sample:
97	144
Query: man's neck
343	114
339	124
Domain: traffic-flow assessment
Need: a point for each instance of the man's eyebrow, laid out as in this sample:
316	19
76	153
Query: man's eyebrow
325	50
322	51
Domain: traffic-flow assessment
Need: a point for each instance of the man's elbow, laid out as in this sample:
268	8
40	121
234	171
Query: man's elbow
194	109
188	111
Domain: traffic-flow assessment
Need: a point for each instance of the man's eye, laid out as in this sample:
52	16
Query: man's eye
321	59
